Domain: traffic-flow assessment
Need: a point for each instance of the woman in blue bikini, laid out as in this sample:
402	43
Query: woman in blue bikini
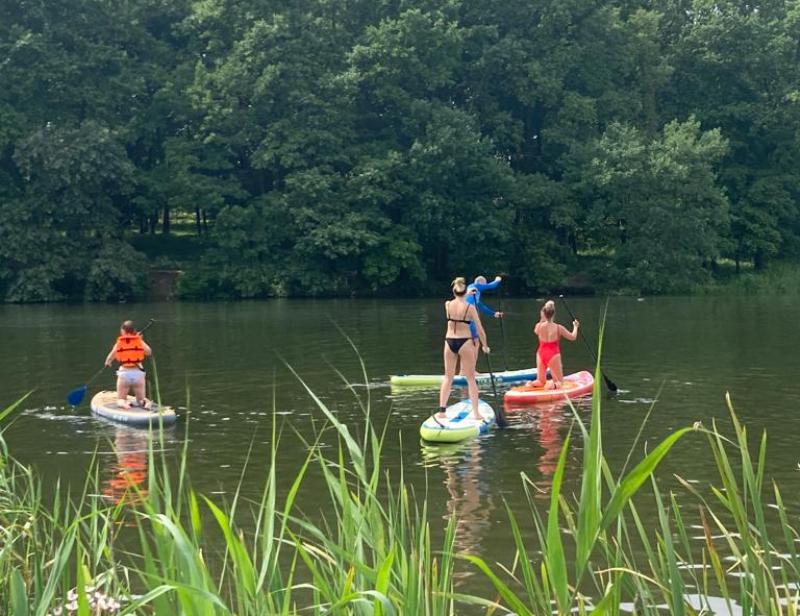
460	343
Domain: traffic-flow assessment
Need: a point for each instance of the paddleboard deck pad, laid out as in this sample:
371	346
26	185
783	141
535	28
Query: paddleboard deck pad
104	404
435	380
573	385
459	423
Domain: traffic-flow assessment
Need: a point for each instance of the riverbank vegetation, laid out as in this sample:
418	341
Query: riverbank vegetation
169	550
354	147
775	279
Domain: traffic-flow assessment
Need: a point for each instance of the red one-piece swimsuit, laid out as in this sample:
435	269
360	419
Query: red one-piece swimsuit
548	350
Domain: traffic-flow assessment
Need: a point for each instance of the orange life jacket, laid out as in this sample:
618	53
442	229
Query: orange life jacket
130	350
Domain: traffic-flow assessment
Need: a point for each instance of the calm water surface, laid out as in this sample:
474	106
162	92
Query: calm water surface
683	352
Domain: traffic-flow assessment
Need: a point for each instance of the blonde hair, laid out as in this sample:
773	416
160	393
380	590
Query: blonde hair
459	285
549	309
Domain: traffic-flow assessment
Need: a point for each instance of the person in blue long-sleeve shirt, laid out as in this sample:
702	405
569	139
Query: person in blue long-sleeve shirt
474	297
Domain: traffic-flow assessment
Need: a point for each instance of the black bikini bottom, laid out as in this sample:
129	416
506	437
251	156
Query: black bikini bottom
455	344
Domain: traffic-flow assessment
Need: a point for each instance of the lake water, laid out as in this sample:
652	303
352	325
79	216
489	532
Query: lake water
681	354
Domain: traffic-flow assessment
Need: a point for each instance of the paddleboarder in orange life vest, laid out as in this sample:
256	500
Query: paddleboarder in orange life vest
129	351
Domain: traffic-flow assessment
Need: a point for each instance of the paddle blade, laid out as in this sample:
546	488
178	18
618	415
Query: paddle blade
75	397
612	386
502	422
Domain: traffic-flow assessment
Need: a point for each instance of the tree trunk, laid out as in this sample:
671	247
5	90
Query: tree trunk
153	222
142	224
205	221
167	222
759	261
198	220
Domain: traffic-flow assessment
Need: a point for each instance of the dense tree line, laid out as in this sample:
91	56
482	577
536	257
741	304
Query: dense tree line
340	146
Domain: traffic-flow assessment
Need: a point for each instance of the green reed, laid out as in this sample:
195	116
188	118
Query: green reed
622	564
373	552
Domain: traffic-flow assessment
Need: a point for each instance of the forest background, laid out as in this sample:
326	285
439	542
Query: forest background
330	147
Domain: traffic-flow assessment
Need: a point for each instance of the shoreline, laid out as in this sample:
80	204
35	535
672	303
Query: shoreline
779	279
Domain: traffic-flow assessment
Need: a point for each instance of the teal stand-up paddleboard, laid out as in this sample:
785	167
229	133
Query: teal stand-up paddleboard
459	423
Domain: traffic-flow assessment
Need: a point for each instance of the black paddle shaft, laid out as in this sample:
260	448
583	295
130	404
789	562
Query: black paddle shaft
609	383
502	422
502	328
94	376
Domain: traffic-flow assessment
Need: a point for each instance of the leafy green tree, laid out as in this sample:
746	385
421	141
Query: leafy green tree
667	213
458	211
365	146
737	67
66	212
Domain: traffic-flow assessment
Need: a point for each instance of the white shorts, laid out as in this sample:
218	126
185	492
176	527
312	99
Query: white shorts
131	376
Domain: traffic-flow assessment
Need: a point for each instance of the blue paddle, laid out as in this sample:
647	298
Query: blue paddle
76	396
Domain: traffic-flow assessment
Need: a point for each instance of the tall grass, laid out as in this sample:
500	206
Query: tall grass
622	563
780	278
373	553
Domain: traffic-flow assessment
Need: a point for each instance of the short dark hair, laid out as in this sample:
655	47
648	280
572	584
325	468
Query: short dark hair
128	327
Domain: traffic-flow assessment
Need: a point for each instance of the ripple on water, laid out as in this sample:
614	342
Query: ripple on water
50	413
638	401
715	605
382	384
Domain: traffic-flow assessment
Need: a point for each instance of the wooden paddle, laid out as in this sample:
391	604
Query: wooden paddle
76	396
612	386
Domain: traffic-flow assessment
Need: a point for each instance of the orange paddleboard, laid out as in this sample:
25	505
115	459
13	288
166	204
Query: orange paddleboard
573	385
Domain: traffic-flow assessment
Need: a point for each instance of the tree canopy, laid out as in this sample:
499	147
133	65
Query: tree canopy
320	147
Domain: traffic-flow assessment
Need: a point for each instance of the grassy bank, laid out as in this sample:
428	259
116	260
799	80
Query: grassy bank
589	552
781	278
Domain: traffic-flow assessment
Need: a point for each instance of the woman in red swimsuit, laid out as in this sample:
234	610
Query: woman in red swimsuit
549	353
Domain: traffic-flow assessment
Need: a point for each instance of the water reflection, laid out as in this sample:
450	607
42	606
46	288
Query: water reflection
548	423
229	375
469	494
127	478
550	420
